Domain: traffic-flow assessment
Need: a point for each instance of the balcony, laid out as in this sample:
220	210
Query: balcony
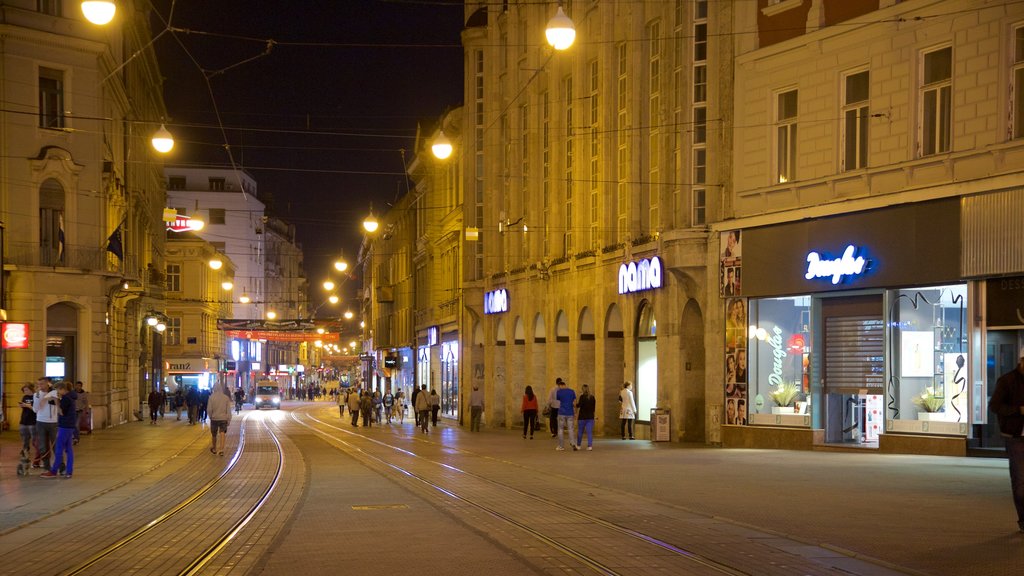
90	259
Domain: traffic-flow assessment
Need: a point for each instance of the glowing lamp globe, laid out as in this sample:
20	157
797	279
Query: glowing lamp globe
99	12
561	32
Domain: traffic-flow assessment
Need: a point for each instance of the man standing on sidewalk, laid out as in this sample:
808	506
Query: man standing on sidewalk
566	413
1008	404
476	408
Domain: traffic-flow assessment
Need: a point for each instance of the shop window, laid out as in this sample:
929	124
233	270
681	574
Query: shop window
927	368
772	359
647	362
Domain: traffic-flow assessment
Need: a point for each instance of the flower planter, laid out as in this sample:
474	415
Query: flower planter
931	416
783	410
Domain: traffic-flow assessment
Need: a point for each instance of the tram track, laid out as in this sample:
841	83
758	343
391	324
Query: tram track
510	516
217	541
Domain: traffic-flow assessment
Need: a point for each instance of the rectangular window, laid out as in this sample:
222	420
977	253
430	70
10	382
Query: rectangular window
567	94
595	160
785	137
699	207
1017	112
174	277
51	236
176	183
855	121
700	83
51	7
172	334
51	98
700	125
936	101
216	184
217	215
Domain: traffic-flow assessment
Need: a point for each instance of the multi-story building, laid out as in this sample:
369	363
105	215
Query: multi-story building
195	351
869	263
591	176
286	287
81	198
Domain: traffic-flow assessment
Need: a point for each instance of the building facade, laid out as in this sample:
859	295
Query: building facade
81	198
869	280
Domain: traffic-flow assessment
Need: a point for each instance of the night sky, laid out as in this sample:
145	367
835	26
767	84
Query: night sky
320	120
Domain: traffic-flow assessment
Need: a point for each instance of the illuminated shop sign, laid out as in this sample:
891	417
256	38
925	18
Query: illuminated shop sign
15	335
639	276
184	224
432	335
496	301
823	266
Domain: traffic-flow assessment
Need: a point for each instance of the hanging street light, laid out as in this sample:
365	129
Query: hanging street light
227	285
328	285
348	315
561	32
99	12
271	314
163	140
340	265
244	298
216	263
371	224
442	146
333	299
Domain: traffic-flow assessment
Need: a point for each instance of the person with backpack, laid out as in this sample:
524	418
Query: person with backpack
389	404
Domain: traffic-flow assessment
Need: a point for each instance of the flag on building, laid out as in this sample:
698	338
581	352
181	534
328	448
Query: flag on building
114	243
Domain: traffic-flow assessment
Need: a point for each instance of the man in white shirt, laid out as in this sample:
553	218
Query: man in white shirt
44	402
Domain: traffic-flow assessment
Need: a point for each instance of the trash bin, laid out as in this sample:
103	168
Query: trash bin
661	425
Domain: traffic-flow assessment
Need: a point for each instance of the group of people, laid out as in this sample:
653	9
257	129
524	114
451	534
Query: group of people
52	416
565	410
372	406
189	399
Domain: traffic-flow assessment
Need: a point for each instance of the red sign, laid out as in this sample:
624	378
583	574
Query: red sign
275	336
184	223
15	335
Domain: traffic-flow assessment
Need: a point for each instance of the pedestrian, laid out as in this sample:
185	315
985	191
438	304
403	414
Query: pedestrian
342	400
204	398
422	406
44	402
366	409
435	407
529	409
389	404
1008	404
627	409
192	403
66	423
239	400
378	403
27	423
400	405
156	398
415	394
218	407
551	410
566	412
476	408
83	411
179	402
586	405
353	406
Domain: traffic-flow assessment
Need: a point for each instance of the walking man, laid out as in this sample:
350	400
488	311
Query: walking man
476	408
353	407
566	412
1008	404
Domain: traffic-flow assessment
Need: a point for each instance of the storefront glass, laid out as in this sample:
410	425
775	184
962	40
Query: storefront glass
647	363
775	362
450	379
423	367
927	358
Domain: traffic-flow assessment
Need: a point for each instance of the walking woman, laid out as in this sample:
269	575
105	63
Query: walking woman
529	412
627	409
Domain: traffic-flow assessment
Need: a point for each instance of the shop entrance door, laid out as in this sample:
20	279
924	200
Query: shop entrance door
1001	357
853	369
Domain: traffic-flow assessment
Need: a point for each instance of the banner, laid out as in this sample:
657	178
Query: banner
265	325
281	336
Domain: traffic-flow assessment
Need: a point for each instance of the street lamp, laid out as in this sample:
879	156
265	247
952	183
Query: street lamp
560	31
271	314
163	140
227	285
99	12
348	315
442	146
370	224
216	263
328	285
244	298
333	299
340	265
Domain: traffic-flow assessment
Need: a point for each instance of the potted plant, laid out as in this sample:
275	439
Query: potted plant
785	396
930	406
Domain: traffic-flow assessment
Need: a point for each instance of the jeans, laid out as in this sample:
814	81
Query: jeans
566	424
65	438
46	435
28	436
529	422
1015	453
475	413
553	421
586	426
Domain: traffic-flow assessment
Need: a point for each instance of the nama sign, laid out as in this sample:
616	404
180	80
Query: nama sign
639	276
496	301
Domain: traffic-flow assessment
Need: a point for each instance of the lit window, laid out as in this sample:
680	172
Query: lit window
785	137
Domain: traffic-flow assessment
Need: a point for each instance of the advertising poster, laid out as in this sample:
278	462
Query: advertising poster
736	361
731	264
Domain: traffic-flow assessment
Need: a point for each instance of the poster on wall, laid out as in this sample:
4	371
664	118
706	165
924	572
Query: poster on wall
917	354
736	361
730	264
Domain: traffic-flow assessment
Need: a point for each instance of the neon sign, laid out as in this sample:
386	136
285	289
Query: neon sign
849	264
15	335
639	276
496	301
184	224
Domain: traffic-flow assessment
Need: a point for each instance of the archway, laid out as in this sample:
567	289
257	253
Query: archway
585	355
614	358
516	371
494	390
646	361
692	424
62	342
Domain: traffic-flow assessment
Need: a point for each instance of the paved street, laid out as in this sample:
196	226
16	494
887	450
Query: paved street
302	490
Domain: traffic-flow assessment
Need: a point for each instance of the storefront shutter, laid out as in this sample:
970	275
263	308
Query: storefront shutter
854	352
990	231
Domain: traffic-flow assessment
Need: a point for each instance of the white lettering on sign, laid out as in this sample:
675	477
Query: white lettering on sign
639	276
849	264
180	366
496	301
778	355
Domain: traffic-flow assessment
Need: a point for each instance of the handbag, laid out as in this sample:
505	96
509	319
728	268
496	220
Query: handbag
546	411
